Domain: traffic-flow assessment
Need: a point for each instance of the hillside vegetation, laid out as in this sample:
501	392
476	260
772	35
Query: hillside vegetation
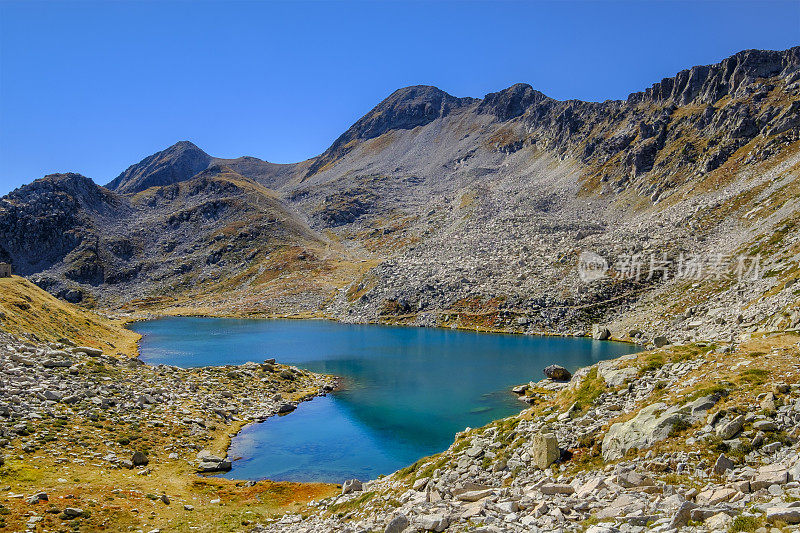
28	311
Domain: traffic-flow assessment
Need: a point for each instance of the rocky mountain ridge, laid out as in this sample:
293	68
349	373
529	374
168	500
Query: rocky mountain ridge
437	210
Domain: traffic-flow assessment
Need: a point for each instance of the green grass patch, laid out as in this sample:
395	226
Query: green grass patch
652	362
345	507
754	376
590	389
721	388
744	523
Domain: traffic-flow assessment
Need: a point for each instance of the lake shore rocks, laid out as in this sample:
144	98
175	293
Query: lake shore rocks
139	417
655	434
557	373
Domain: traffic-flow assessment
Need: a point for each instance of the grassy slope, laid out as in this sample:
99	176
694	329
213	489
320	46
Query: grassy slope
120	499
25	308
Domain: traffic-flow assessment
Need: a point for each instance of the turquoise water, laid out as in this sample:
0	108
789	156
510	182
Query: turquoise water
407	391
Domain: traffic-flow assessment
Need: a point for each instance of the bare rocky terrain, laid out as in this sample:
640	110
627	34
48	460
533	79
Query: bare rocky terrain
464	212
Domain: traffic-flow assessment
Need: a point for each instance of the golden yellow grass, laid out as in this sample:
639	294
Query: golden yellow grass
26	308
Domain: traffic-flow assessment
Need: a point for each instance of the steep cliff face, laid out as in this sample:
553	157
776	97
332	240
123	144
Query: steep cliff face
41	223
430	205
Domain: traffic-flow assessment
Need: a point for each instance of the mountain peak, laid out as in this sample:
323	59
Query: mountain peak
404	109
177	163
511	102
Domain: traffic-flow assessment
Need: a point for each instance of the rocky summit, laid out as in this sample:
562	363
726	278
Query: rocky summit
668	219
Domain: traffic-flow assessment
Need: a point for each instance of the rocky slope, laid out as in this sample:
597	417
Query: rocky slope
437	210
692	438
93	439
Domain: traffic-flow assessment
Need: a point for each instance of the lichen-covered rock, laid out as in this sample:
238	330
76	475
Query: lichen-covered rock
544	450
652	424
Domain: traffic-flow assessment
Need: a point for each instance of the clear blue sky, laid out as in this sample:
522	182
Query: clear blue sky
94	87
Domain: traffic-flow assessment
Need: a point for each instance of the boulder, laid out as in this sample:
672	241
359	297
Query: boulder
790	515
214	466
722	465
397	524
660	341
682	515
557	373
286	408
474	495
139	458
765	425
703	404
652	424
774	474
38	497
719	522
433	522
731	428
600	333
52	395
556	488
94	352
352	485
544	450
207	457
616	377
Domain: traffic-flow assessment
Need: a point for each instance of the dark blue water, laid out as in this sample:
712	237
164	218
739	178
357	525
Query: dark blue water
407	390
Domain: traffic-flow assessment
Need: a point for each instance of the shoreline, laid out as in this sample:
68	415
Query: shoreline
338	380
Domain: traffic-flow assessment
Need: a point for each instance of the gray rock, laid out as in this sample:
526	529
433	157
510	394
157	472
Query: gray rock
433	522
682	515
397	524
94	352
55	396
731	428
556	488
352	485
722	464
38	497
765	425
544	450
600	333
660	341
214	466
73	512
557	373
790	515
652	424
